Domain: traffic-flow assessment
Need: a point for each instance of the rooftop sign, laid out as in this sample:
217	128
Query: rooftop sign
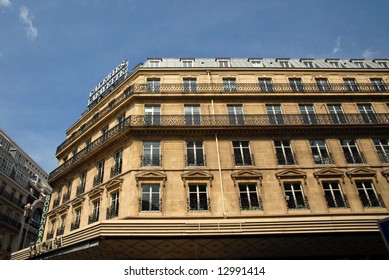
111	81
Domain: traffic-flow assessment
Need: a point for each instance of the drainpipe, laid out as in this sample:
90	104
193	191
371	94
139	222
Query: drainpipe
219	165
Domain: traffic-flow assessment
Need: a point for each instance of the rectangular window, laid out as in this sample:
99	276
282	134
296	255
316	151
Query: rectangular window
382	148
275	114
319	152
113	209
152	114
151	154
235	114
104	134
284	153
351	151
249	199
229	84
198	198
351	84
284	63
61	228
308	114
100	173
336	113
378	84
190	85
294	196
192	114
121	121
118	161
367	113
76	219
187	63
333	195
368	194
242	154
265	84
323	85
256	63
154	63
81	187
94	217
296	84
150	200
195	154
153	85
224	63
309	64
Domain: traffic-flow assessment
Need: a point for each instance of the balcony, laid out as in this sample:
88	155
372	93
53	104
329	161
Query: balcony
56	202
80	189
75	224
11	198
154	161
286	159
66	197
97	180
255	88
116	170
93	218
10	222
258	88
60	230
212	122
113	211
50	235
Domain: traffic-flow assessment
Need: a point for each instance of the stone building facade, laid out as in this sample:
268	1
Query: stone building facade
226	158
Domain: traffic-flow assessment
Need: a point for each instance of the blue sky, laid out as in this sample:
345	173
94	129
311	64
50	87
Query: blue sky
53	52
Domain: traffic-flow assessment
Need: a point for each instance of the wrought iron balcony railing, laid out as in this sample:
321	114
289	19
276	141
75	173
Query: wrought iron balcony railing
199	204
258	88
10	221
212	121
66	197
116	170
10	197
112	211
93	218
338	201
75	225
373	200
50	234
384	157
56	202
80	190
300	202
97	180
254	88
60	230
286	159
244	160
255	203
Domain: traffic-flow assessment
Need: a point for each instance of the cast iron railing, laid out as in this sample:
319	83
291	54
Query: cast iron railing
210	121
254	88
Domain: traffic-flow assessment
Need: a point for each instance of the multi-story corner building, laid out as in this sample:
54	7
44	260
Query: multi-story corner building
23	184
198	158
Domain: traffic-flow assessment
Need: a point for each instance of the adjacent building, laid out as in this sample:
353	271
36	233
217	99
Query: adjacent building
23	185
225	158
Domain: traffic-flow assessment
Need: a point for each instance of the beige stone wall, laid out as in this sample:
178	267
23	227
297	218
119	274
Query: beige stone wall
221	190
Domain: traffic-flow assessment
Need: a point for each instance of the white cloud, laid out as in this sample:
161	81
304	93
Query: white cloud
5	3
336	49
31	30
368	53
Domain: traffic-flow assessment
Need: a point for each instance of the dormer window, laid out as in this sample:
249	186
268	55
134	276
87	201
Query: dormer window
309	63
360	63
284	63
223	62
383	63
187	63
256	63
155	63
